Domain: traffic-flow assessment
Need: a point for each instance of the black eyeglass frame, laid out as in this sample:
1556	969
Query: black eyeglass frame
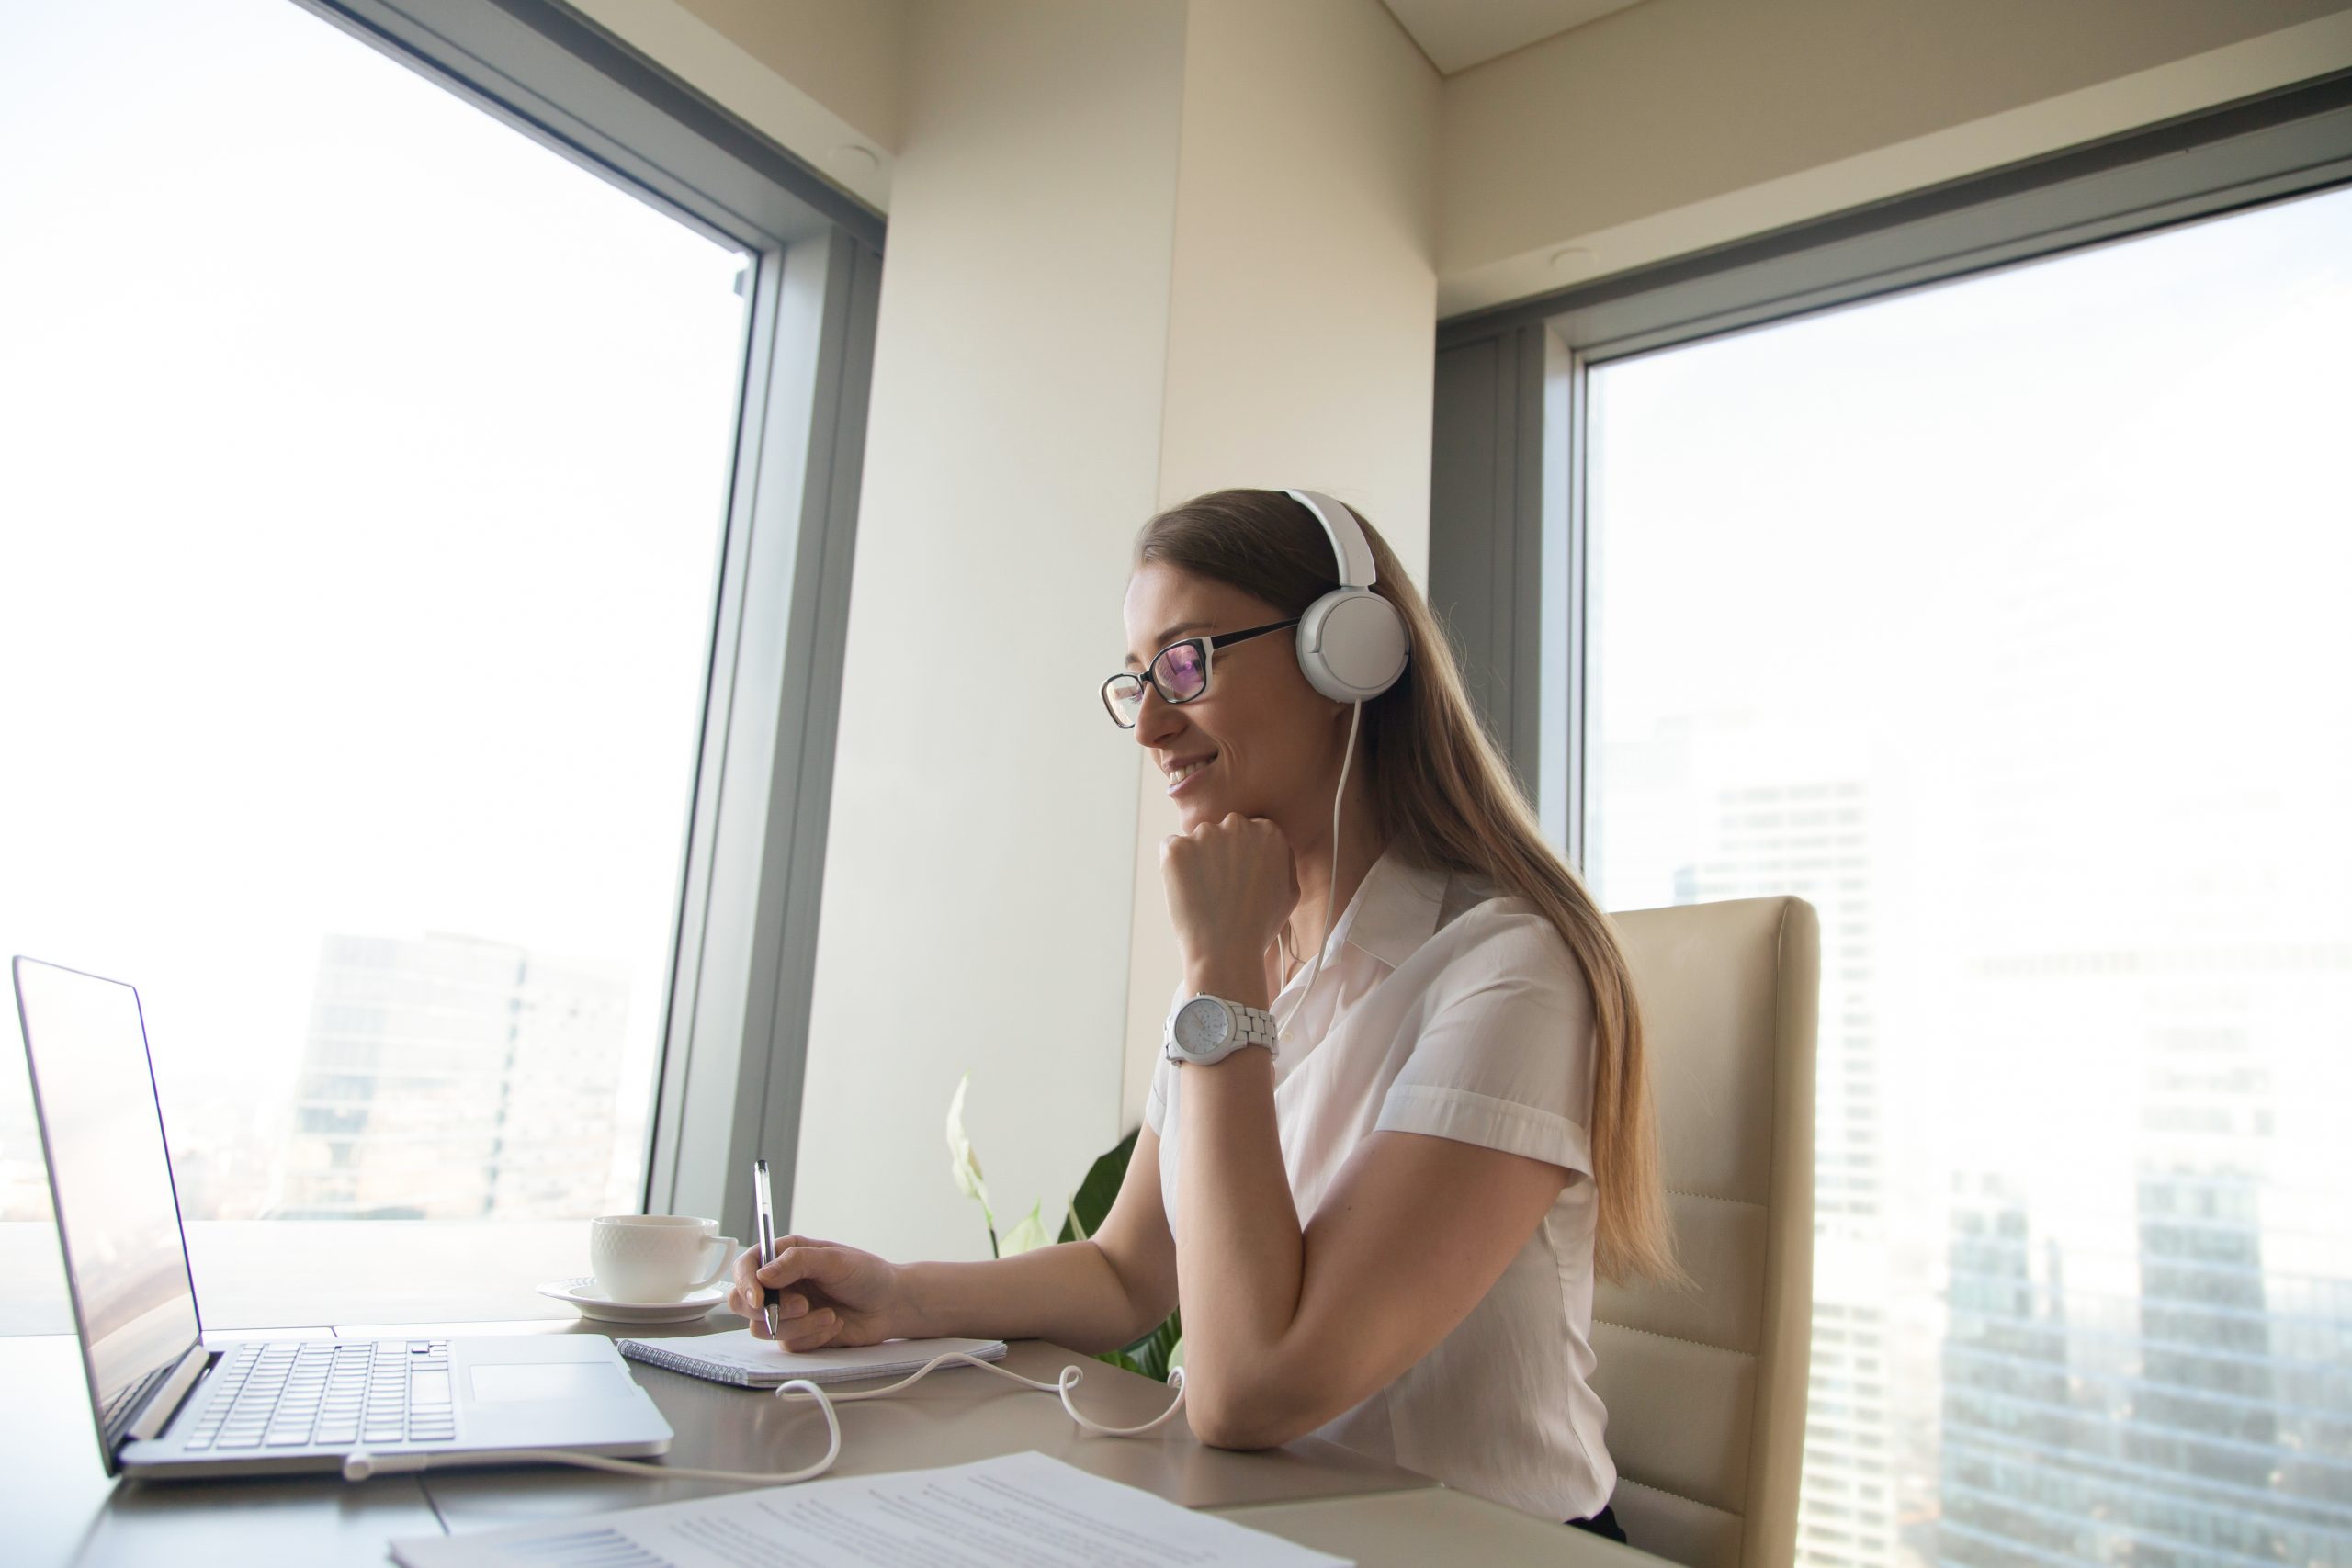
1208	647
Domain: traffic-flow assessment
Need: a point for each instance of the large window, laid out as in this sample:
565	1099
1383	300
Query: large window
370	469
2003	620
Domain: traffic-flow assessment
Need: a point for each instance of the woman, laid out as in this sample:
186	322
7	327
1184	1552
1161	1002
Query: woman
1389	1234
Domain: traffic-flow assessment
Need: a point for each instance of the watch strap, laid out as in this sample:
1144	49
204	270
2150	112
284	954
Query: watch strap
1257	1027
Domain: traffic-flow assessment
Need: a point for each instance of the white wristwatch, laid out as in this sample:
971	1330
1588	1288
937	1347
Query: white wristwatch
1210	1029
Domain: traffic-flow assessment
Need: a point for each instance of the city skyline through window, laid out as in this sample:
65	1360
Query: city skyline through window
2000	620
369	473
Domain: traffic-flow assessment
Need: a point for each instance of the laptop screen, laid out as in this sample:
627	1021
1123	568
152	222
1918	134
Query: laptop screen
118	1215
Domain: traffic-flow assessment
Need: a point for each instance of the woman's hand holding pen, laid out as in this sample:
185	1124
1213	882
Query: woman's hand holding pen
826	1294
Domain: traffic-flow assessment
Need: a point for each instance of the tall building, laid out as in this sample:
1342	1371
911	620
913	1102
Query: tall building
2195	1420
1813	836
454	1079
2013	1487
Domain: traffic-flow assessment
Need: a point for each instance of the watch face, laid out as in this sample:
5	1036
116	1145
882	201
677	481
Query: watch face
1201	1025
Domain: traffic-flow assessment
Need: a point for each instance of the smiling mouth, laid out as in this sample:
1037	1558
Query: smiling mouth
1185	775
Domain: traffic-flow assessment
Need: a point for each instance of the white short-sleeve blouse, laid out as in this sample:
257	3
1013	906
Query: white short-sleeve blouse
1444	1010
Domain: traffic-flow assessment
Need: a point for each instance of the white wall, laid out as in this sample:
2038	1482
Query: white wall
1305	275
983	824
849	55
1681	124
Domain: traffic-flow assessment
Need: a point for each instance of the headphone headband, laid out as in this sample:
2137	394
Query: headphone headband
1349	546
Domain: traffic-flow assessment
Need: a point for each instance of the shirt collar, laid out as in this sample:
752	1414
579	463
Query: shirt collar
1395	910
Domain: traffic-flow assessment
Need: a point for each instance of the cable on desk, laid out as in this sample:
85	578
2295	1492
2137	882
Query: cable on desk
360	1463
1061	1385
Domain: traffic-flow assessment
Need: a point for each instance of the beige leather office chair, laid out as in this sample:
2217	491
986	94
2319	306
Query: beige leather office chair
1706	1388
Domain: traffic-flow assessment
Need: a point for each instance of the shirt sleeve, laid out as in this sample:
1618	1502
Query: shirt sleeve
1505	1058
1155	1100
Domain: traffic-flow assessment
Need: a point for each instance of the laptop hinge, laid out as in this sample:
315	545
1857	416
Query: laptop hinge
166	1402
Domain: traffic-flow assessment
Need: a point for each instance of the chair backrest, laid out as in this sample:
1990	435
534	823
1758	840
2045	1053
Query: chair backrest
1706	1387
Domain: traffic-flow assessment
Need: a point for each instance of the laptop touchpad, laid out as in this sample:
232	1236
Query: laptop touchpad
518	1381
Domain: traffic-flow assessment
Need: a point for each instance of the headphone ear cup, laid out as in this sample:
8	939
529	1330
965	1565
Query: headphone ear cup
1351	645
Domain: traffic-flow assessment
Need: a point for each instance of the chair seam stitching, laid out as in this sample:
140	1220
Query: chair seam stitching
1623	1480
1714	1198
1678	1339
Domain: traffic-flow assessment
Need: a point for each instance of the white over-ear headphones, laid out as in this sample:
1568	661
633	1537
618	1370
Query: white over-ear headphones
1352	642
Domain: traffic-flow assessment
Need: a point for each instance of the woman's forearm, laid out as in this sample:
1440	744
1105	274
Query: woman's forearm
1069	1294
1240	1255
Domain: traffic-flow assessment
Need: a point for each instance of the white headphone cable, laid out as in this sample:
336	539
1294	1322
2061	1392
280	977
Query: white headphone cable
1331	888
359	1464
1061	1385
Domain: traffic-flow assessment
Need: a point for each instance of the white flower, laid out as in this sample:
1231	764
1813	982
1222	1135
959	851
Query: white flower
1025	1236
965	1165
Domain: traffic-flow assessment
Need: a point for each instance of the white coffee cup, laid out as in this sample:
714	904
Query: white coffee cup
656	1257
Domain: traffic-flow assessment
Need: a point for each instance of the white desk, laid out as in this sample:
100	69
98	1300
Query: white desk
62	1509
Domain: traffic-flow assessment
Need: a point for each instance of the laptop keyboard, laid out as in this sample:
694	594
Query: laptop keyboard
327	1393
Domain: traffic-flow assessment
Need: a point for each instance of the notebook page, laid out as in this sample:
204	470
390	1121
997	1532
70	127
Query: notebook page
764	1359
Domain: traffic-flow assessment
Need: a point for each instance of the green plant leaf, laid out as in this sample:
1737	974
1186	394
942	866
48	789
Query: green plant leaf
1091	1204
1157	1352
1025	1235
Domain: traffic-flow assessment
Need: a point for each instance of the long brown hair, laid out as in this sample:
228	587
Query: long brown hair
1447	800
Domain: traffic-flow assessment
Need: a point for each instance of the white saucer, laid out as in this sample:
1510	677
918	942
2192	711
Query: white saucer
584	1295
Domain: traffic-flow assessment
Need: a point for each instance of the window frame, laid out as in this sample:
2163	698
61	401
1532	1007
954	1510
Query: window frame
1509	543
733	1052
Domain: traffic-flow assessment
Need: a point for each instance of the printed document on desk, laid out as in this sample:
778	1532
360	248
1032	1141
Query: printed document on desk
1023	1509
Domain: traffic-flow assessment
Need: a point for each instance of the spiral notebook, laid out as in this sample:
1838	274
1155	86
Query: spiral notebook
740	1359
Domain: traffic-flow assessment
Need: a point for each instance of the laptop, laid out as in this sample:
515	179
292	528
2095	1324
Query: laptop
169	1407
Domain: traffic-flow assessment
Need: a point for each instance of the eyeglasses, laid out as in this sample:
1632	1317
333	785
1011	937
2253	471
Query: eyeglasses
1179	672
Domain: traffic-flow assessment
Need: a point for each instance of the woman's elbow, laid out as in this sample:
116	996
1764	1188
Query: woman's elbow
1218	1429
1252	1416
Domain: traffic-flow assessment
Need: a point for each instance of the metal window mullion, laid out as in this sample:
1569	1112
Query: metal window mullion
1525	656
1564	619
740	998
564	81
1487	543
695	912
844	306
709	1114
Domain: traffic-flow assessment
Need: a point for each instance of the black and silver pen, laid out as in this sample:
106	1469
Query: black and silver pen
764	1207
